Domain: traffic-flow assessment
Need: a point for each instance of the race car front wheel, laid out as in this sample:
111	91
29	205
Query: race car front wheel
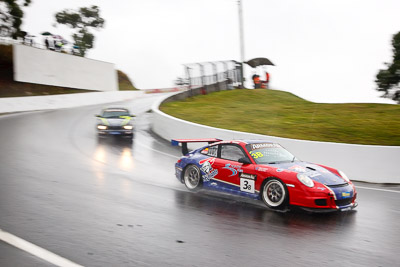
192	178
275	194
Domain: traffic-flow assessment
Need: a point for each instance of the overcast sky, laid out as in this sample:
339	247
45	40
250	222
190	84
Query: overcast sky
324	50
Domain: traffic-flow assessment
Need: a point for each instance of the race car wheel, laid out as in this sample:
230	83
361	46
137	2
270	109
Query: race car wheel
275	194
192	178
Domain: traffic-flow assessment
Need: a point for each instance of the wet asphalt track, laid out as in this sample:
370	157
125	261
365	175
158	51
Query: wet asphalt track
115	203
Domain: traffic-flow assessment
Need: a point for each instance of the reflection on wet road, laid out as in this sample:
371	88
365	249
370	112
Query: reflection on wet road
117	203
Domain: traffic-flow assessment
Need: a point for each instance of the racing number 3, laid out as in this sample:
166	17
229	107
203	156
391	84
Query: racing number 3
256	155
247	185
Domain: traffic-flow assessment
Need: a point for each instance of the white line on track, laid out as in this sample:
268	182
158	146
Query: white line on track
35	250
378	189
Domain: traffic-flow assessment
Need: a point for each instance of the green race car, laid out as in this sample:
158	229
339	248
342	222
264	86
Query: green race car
115	121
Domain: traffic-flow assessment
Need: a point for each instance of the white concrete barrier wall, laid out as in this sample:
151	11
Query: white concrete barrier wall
375	164
32	103
40	66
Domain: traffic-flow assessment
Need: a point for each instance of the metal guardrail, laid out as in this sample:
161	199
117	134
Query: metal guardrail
63	49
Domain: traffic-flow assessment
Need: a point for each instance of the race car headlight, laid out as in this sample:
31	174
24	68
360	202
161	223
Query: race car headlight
128	127
344	176
101	127
304	179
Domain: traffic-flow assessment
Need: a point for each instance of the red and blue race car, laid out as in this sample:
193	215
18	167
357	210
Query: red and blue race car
263	170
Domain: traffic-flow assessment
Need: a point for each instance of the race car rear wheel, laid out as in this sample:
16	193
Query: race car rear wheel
275	194
192	178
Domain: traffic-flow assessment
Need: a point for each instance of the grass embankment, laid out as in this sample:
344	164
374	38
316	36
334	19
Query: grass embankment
124	82
11	88
283	114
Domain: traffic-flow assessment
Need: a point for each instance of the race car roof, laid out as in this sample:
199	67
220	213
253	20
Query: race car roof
184	142
257	141
176	142
115	109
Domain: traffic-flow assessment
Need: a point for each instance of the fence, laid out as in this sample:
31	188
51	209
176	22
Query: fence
67	49
210	78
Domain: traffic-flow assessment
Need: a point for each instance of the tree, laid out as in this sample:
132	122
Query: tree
388	79
11	16
82	20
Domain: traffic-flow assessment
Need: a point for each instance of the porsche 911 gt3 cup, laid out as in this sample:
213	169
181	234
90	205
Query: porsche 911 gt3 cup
266	171
115	122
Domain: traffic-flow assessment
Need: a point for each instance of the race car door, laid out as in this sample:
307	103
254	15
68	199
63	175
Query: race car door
233	174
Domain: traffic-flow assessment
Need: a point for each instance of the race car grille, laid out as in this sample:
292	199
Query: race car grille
338	185
321	202
343	202
114	127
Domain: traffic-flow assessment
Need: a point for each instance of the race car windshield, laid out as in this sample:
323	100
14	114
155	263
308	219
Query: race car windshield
269	153
115	113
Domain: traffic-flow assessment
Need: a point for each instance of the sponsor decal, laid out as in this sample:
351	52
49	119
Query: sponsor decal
320	188
297	168
204	151
213	151
233	168
280	170
261	169
210	151
265	145
105	121
207	177
211	160
248	176
207	169
345	194
126	120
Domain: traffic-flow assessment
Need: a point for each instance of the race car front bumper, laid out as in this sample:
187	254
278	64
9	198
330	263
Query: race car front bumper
327	210
115	132
324	199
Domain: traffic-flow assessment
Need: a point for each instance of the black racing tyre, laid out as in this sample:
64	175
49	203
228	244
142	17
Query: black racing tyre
192	178
275	194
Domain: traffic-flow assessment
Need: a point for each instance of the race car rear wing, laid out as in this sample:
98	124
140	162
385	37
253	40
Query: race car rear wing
184	142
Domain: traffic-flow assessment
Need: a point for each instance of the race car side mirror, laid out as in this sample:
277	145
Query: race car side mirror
244	160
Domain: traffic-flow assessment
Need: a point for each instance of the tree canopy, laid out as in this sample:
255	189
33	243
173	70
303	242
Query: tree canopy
388	79
11	16
82	19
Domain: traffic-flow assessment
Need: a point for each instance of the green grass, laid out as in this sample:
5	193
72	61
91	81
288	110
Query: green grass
283	114
124	82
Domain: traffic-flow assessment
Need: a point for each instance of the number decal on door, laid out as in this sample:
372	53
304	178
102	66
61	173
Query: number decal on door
247	185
